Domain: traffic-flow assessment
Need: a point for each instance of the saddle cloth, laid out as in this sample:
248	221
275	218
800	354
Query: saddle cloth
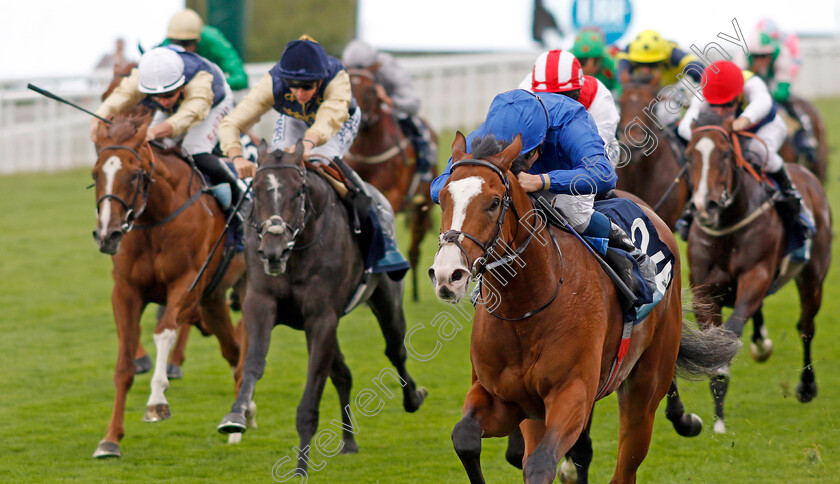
626	214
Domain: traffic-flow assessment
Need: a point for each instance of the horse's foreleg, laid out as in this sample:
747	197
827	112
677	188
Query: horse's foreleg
386	304
566	415
128	306
484	416
343	381
259	313
322	343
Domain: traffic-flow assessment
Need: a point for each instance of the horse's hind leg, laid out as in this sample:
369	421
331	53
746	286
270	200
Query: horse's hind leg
686	424
343	381
484	416
761	347
810	298
128	307
386	304
216	317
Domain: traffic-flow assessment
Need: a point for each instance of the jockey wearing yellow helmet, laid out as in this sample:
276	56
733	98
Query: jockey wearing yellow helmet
650	55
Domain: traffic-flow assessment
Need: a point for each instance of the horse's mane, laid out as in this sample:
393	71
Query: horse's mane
487	145
708	118
125	126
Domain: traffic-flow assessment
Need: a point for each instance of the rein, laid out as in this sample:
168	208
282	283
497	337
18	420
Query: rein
740	162
480	265
132	216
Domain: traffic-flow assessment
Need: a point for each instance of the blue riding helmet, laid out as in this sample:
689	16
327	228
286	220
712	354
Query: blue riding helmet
303	60
516	112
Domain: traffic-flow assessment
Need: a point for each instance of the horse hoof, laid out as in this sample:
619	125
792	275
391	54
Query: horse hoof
106	449
251	415
157	412
761	352
720	427
142	365
174	372
568	473
806	392
234	437
690	425
412	406
350	447
233	423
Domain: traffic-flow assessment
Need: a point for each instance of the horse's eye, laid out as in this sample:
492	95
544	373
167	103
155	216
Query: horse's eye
494	204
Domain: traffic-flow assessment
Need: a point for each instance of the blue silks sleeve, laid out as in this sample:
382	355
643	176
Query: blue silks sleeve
440	181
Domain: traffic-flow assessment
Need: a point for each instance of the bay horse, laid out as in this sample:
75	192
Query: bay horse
736	247
384	157
304	268
650	171
788	151
159	225
544	341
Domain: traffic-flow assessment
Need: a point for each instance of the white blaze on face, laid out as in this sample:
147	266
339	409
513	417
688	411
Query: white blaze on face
705	146
448	258
274	186
110	168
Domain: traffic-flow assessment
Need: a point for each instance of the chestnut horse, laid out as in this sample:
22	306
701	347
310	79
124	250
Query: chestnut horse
736	247
158	223
788	150
544	342
384	157
649	166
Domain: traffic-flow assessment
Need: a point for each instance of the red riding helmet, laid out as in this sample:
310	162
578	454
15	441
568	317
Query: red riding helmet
723	86
556	71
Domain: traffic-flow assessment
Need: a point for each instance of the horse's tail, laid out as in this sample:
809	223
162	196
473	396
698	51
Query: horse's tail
704	351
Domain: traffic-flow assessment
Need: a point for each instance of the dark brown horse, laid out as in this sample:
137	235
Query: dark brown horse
648	166
544	339
788	151
159	225
736	247
384	157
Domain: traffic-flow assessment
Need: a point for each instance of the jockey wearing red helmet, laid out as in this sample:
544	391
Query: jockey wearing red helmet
731	92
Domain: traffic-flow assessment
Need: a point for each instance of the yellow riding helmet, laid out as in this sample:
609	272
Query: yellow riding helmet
648	47
185	25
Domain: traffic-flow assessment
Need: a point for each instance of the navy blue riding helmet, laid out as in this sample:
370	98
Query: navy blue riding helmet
303	60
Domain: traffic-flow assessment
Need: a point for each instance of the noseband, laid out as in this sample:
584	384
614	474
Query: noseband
141	191
275	224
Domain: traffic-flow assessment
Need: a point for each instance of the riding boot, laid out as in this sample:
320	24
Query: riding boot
790	204
218	172
804	140
620	240
683	224
416	131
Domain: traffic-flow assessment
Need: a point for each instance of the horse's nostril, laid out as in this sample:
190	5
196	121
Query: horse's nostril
458	275
96	235
432	274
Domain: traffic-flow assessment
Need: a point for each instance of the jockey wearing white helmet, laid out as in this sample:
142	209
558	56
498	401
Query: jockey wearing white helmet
190	97
558	71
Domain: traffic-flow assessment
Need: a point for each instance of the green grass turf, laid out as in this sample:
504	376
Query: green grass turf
58	350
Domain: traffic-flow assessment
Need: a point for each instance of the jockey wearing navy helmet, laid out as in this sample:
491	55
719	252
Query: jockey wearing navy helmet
311	91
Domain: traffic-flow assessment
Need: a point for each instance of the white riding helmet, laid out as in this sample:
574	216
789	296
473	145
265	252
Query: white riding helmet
359	55
161	70
185	25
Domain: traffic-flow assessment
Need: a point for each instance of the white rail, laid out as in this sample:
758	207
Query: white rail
39	134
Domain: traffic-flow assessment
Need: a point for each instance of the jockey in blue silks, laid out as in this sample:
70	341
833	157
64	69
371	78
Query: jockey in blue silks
569	163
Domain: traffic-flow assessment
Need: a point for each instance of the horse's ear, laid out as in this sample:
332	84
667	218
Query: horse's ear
727	124
101	132
459	146
142	124
625	77
262	148
654	80
505	159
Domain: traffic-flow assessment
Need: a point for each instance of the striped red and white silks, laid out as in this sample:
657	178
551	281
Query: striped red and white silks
556	71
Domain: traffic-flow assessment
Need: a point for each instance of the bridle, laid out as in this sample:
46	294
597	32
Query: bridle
481	265
275	224
141	190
